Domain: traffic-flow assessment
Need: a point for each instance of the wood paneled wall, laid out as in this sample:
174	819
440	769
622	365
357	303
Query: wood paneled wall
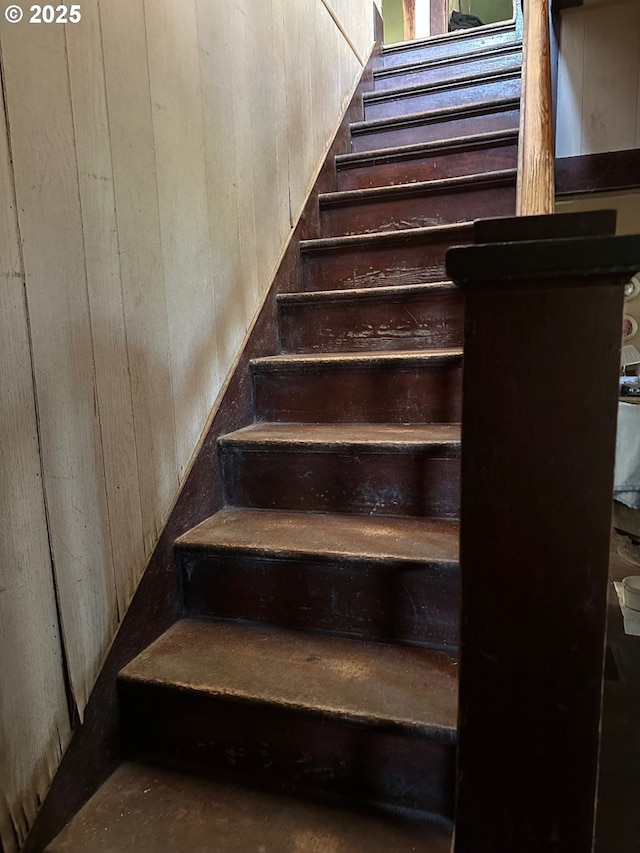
154	157
598	105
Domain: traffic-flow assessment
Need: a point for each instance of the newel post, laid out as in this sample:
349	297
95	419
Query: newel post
542	342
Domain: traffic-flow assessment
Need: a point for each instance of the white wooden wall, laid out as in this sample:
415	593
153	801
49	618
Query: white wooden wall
599	78
153	160
627	206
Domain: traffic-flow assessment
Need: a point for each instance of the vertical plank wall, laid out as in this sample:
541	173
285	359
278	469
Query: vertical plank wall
34	721
599	78
598	107
153	160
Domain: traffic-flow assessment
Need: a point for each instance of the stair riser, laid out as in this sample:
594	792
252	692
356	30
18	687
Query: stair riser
380	394
417	483
471	92
447	48
383	601
286	748
426	167
404	322
441	73
381	264
418	210
477	121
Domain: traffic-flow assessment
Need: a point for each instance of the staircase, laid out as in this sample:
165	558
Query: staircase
307	700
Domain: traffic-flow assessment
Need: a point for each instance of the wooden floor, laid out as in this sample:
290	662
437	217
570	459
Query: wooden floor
618	820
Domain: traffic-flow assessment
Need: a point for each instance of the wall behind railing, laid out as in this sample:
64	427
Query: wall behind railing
627	205
598	106
154	158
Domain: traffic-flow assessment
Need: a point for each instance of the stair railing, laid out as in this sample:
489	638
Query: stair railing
543	312
535	192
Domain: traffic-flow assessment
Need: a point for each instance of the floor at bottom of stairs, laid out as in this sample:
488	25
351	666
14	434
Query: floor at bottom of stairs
618	815
153	810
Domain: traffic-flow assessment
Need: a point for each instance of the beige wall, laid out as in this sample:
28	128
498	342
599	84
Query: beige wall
154	158
627	205
598	105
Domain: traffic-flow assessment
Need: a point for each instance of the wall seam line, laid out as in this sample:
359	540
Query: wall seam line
72	709
96	395
117	238
161	239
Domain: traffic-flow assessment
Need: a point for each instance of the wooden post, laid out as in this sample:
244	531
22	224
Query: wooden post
542	341
535	186
409	19
439	17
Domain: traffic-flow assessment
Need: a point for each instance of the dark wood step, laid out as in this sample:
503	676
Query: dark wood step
387	318
154	810
419	204
390	579
487	152
443	69
304	712
442	124
376	469
394	258
462	91
448	45
413	386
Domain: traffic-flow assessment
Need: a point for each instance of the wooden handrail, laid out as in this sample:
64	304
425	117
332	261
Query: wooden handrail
535	187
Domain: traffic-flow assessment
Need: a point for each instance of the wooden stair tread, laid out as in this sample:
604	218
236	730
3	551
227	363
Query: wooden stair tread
374	293
379	683
453	83
458	36
346	435
404	235
417	70
417	118
432	187
338	360
438	68
142	808
327	536
416	65
399	152
393	318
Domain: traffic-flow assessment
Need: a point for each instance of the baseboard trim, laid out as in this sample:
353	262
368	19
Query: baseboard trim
591	173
